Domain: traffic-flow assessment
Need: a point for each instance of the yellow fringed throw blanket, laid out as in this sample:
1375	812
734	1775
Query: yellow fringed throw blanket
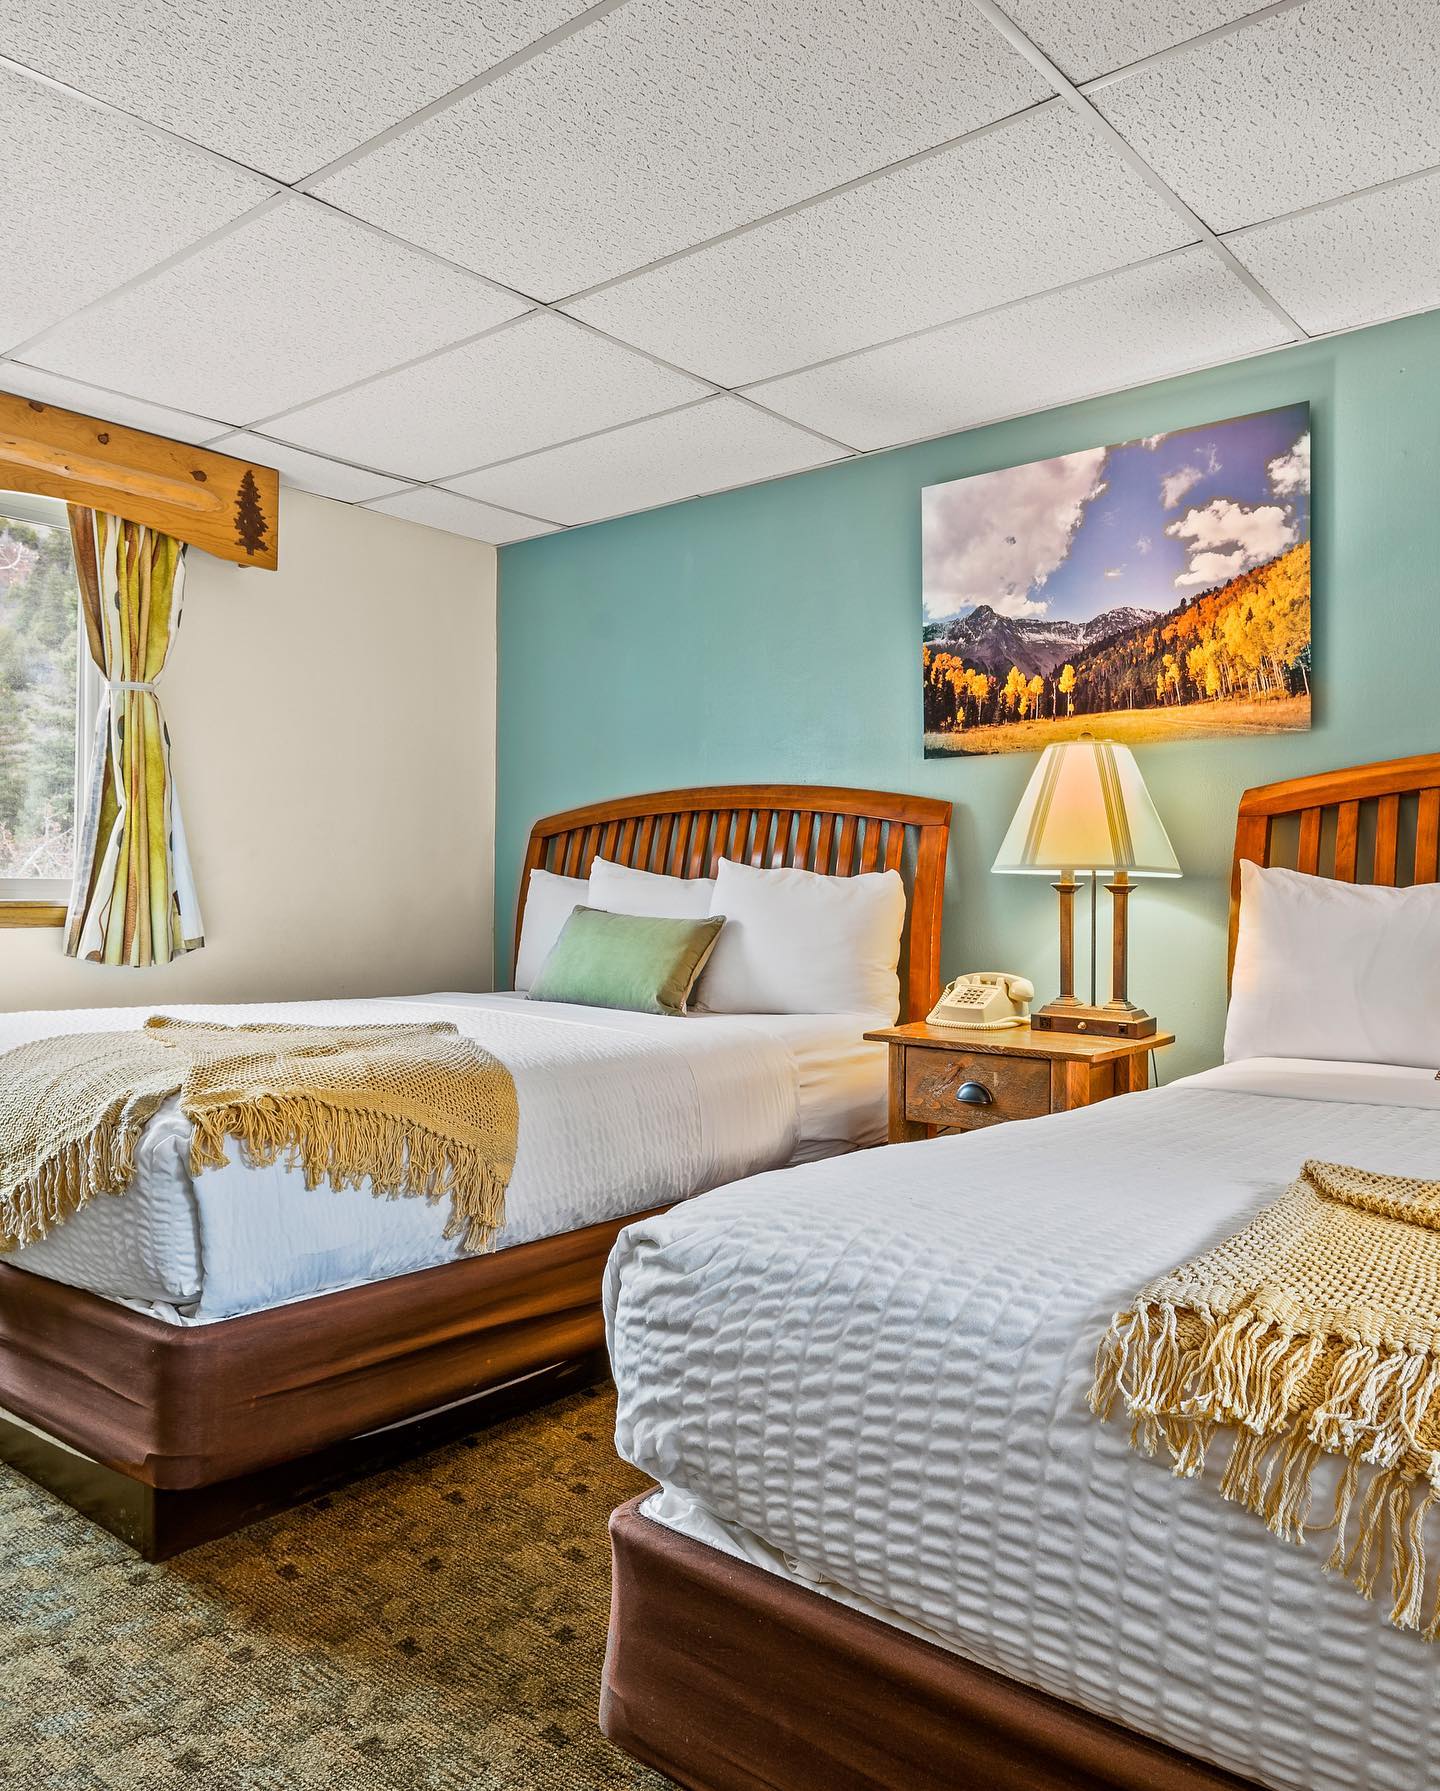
1315	1330
416	1109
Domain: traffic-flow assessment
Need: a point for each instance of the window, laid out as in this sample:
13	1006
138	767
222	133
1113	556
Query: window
48	694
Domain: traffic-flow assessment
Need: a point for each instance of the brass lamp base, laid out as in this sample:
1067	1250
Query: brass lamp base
1119	1018
1116	1020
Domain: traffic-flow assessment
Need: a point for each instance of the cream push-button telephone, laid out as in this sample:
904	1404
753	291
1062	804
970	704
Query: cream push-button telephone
984	999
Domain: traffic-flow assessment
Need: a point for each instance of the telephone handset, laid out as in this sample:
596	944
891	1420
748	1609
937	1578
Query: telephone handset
984	999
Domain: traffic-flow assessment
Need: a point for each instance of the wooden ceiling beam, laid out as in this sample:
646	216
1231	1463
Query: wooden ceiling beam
228	507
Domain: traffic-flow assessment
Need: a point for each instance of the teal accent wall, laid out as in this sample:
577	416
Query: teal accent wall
774	633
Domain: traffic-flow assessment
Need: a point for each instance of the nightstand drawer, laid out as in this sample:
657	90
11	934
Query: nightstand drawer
1018	1088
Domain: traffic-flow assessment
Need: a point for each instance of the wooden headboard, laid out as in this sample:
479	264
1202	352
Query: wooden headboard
841	832
1367	824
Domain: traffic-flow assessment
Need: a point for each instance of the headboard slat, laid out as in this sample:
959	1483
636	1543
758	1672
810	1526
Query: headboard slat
719	835
1308	858
687	832
845	851
870	850
646	844
684	828
1347	841
1387	840
1427	838
825	847
1378	802
699	845
804	835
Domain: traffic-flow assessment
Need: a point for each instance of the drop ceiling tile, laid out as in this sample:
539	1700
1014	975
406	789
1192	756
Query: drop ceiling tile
110	407
669	121
1142	324
91	200
279	86
1358	261
707	447
1084	41
294	303
1298	108
306	472
462	516
538	381
1031	205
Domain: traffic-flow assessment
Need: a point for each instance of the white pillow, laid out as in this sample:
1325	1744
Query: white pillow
549	903
1335	970
796	942
626	891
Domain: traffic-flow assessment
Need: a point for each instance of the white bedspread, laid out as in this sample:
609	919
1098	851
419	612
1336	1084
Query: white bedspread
871	1375
618	1112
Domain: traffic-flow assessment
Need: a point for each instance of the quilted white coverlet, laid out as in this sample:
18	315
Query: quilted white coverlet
618	1112
870	1375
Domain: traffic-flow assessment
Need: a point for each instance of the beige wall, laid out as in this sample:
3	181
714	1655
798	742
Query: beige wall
333	731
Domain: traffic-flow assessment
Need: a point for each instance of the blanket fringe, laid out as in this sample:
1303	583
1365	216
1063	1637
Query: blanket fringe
404	1109
346	1147
103	1163
1181	1374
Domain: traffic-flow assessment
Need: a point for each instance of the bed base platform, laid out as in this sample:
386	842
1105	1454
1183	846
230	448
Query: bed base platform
730	1679
158	1522
170	1435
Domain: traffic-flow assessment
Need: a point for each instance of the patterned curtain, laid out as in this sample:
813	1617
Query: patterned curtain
133	899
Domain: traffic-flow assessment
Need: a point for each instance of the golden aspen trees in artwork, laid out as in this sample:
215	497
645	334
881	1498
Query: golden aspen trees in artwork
1155	590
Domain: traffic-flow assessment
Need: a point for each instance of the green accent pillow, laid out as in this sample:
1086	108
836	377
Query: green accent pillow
636	961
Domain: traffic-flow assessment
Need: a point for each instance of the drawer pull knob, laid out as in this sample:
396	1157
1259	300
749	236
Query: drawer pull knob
974	1094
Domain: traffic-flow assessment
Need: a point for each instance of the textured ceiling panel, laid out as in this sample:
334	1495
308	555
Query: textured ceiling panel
538	381
1354	262
90	200
91	401
461	516
1031	205
1084	41
279	85
719	443
1003	261
297	302
670	121
1143	324
306	472
1293	110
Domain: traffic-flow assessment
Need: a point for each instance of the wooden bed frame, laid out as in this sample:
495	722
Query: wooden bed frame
729	1678
816	827
169	1435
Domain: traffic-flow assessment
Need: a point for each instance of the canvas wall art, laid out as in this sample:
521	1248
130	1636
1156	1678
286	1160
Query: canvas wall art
1155	590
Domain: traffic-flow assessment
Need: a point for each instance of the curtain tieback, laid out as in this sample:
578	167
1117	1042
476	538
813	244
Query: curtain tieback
130	684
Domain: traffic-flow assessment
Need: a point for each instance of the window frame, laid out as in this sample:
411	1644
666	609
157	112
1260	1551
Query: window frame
44	901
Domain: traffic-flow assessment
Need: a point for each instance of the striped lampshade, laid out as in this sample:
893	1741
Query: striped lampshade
1086	808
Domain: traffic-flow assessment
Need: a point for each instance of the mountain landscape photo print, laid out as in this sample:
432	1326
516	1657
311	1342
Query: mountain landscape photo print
1157	590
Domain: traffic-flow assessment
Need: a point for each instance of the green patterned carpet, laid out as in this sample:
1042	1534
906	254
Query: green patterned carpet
438	1628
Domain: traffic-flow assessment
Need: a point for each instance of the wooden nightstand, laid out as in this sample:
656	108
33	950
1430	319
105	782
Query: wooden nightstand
957	1079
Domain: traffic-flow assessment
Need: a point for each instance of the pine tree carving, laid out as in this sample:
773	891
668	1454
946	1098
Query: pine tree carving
250	524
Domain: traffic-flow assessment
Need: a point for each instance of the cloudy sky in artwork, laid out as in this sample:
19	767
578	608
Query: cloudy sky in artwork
1144	524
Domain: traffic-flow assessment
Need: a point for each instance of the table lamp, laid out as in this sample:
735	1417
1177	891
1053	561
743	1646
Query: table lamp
1086	808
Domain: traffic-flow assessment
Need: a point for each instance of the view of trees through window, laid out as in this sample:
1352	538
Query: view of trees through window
38	673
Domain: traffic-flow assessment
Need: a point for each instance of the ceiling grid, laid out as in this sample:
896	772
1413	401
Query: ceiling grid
568	261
